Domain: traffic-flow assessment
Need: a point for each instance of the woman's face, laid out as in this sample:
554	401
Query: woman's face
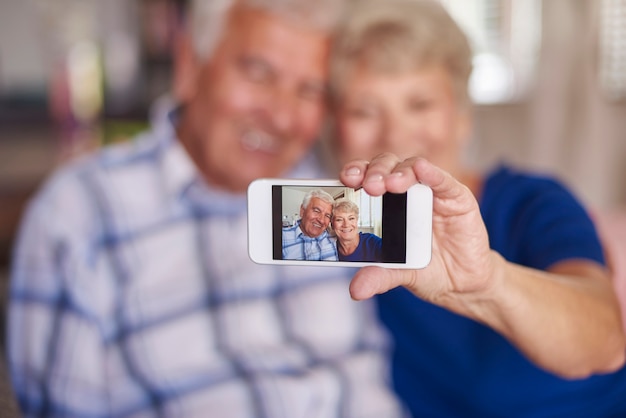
345	225
412	114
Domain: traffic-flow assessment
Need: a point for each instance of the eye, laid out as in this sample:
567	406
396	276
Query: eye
362	112
256	69
419	104
359	106
313	92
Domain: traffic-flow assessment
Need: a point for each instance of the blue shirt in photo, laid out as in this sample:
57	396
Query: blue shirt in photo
370	249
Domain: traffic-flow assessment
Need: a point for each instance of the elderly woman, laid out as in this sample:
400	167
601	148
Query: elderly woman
353	245
513	252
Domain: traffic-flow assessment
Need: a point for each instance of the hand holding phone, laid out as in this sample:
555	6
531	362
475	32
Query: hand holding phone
462	261
323	222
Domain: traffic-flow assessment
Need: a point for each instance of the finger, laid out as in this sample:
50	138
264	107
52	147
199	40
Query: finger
441	182
402	177
352	173
370	281
377	171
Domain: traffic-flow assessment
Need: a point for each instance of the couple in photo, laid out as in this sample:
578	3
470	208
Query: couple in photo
310	239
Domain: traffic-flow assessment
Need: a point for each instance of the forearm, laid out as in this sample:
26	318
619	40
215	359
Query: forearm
568	325
567	321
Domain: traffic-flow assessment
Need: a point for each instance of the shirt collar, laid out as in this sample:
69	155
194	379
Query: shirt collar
184	181
307	238
180	170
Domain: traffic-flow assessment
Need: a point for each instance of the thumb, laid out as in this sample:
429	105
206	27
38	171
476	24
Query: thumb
370	281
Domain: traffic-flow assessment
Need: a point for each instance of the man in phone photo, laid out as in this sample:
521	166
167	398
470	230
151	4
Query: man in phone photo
132	293
308	238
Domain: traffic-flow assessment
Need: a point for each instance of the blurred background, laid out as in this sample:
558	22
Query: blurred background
549	85
74	75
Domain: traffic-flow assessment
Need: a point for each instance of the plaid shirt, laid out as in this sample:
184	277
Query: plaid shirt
132	295
297	246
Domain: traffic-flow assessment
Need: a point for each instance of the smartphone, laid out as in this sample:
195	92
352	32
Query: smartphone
292	222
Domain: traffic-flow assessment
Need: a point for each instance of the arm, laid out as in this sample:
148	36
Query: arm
566	320
54	347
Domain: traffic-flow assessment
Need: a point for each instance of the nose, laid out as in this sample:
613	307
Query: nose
283	111
396	134
393	133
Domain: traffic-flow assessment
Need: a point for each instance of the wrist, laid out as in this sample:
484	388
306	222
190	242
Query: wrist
482	303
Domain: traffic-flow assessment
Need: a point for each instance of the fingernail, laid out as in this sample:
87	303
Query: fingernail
374	178
398	174
353	171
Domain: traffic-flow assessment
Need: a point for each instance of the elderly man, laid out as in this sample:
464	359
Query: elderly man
131	290
308	239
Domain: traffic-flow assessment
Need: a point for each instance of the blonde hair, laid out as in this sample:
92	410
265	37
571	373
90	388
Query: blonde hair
206	18
396	36
345	205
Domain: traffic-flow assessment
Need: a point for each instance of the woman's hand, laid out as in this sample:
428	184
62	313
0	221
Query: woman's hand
584	334
462	261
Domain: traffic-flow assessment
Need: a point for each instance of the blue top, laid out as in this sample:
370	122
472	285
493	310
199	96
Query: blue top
370	249
446	365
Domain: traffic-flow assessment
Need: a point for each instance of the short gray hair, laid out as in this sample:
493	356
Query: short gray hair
345	205
393	36
206	18
320	194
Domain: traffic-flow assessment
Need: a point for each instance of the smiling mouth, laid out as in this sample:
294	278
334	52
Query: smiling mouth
260	141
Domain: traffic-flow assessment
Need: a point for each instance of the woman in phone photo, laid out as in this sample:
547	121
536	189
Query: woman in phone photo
353	245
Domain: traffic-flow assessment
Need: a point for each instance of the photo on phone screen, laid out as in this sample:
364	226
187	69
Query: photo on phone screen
363	228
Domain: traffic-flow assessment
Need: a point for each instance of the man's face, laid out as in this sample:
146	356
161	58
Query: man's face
315	218
256	106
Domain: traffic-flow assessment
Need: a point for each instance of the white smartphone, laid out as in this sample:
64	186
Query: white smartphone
393	230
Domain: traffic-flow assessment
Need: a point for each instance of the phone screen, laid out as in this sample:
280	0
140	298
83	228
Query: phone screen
363	228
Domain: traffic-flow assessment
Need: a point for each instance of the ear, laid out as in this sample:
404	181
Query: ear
186	68
301	211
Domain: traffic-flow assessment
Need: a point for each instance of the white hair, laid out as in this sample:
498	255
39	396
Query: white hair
206	18
320	194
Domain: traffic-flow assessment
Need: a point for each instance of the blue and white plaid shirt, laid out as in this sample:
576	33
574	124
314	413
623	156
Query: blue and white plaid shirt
297	246
132	295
